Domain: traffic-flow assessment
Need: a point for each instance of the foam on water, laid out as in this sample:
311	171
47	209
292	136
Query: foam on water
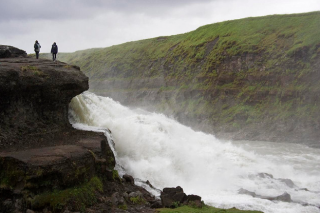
154	147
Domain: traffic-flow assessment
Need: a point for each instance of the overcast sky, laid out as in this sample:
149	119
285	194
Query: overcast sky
83	24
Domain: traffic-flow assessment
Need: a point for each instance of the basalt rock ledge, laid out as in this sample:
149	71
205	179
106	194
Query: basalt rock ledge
45	164
34	99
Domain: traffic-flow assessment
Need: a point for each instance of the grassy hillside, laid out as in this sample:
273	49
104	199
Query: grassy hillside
253	78
278	34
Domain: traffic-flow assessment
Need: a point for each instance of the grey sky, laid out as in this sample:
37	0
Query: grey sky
83	24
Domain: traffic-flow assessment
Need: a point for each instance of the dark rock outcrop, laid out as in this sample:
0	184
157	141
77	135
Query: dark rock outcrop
34	100
129	179
288	182
11	52
174	197
45	164
27	175
285	197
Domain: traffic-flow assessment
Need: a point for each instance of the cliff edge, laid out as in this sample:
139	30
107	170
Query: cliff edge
35	94
45	164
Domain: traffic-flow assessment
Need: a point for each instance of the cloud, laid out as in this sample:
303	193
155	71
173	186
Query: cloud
83	24
83	9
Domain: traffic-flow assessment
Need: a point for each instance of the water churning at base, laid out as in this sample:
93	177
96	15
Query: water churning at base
151	146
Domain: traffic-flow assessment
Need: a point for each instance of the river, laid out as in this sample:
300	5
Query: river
151	146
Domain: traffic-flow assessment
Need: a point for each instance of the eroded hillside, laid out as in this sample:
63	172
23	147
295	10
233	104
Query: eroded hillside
254	78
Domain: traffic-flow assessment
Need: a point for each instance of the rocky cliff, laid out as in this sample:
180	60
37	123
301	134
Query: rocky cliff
254	78
34	99
45	164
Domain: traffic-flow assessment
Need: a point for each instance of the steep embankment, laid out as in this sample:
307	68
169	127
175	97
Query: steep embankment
254	78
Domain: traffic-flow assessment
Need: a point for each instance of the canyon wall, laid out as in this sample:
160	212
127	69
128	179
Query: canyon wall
247	79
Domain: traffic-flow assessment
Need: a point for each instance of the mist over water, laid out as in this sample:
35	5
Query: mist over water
153	147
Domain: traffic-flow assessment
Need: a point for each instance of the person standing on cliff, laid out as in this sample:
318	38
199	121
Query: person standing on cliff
37	47
54	51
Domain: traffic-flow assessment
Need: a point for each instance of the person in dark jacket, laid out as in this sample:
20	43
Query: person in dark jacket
54	51
37	48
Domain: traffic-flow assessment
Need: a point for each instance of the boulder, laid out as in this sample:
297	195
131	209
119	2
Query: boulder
170	197
156	205
129	179
285	197
117	199
246	192
193	198
11	52
287	182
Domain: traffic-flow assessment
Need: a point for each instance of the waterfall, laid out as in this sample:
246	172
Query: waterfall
151	146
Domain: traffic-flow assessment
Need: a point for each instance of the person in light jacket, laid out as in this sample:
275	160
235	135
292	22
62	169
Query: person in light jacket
37	47
54	51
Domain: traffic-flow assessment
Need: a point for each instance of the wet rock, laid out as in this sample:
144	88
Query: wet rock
194	200
117	199
47	211
246	192
136	194
287	182
285	197
148	184
7	206
171	196
157	204
129	179
125	196
174	197
196	203
18	204
264	175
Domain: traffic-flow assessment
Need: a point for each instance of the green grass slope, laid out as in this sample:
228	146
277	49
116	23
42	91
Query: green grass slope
287	34
253	78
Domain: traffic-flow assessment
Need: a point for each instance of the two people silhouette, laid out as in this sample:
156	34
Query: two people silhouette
54	50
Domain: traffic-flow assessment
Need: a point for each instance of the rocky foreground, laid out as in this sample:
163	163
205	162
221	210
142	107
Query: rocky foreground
45	164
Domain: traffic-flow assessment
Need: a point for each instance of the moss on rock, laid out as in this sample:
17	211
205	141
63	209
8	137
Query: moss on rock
78	197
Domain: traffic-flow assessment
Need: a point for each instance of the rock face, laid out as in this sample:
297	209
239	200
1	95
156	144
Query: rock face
269	104
285	197
11	52
34	97
25	176
45	164
174	197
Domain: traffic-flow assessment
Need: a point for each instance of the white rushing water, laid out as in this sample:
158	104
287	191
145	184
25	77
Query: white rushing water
153	147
